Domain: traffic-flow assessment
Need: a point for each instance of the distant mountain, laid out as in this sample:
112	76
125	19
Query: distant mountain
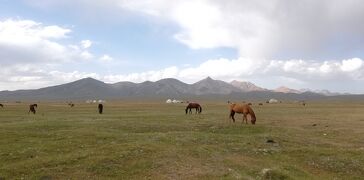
323	92
246	86
284	89
89	88
210	86
81	89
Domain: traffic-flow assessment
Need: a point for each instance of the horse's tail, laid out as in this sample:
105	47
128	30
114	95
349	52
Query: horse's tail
252	115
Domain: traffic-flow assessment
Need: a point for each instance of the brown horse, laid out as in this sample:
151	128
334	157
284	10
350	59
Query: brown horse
32	108
242	109
101	108
1	105
191	106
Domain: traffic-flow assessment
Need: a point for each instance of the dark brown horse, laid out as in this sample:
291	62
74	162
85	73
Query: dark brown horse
101	108
242	109
191	106
1	105
32	108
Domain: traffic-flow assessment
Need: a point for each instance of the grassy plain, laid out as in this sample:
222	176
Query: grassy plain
154	140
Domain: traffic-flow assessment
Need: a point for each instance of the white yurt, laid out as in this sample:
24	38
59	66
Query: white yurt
176	101
169	101
273	101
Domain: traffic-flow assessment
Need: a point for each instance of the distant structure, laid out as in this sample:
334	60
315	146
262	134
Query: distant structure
272	101
169	101
89	101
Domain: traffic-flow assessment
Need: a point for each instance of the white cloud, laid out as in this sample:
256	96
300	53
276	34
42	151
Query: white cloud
86	55
262	28
350	65
257	29
106	58
86	43
29	42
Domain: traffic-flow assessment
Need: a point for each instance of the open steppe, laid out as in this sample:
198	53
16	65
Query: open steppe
155	140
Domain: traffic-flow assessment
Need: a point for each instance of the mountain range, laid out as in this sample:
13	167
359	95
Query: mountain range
89	88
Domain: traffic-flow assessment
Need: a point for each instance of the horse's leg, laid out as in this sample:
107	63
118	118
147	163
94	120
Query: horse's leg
245	118
232	113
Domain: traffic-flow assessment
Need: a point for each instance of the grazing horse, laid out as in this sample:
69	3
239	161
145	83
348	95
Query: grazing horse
71	104
1	105
191	106
101	108
242	109
32	108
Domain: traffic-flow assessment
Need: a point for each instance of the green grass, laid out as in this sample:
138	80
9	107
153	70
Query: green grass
158	141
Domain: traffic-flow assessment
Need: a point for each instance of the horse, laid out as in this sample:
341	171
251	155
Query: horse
1	105
71	104
32	108
260	104
242	109
191	106
100	107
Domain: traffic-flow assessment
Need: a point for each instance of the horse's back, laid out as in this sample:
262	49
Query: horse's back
240	108
193	105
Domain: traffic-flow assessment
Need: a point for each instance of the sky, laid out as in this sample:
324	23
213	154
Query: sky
306	44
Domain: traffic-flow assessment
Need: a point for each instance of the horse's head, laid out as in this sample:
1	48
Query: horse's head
253	121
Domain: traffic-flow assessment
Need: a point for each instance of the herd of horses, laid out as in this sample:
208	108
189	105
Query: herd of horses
244	109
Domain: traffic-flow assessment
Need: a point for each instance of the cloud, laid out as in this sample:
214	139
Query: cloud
86	43
282	29
263	28
350	65
86	55
105	58
30	42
